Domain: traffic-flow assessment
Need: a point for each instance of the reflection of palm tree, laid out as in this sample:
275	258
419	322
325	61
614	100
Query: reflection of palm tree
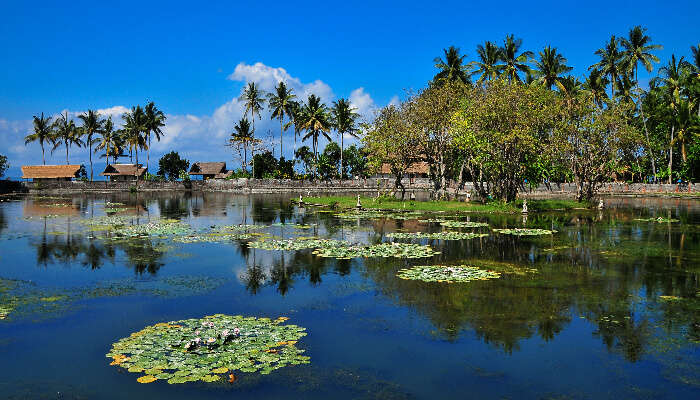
254	278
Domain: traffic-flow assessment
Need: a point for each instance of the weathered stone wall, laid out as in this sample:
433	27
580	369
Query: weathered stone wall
419	187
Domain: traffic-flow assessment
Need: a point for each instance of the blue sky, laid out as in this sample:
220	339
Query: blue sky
192	58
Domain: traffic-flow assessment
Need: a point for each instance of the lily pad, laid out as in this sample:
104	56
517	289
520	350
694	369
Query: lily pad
401	250
658	219
296	244
464	224
524	232
446	274
436	235
202	348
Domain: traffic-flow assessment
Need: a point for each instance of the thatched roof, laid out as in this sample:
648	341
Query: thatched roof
208	168
420	167
124	170
50	171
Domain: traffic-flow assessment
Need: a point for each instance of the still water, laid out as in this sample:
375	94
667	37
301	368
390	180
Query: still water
606	307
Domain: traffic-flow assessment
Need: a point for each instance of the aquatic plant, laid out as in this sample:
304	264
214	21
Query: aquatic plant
215	237
401	250
294	226
657	219
296	244
446	235
111	210
446	274
162	227
463	224
524	231
236	228
204	348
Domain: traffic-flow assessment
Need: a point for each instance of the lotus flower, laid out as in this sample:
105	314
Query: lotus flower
197	340
196	332
236	331
224	332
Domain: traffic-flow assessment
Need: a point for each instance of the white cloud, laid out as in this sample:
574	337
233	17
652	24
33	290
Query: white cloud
268	77
363	102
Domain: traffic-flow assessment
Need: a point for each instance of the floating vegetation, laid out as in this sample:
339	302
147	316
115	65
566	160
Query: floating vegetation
113	204
111	210
294	226
446	274
433	220
362	214
503	267
524	232
658	219
464	224
670	298
236	228
447	235
401	250
297	244
202	349
29	218
107	222
215	237
163	227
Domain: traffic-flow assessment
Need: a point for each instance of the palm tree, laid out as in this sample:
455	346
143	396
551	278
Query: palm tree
452	68
315	120
487	66
343	120
595	85
134	127
154	120
66	133
550	67
513	63
569	88
688	125
254	100
672	75
281	104
92	124
609	64
694	66
43	131
242	136
109	141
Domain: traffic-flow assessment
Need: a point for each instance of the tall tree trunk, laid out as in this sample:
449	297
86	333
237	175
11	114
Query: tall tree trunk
670	156
67	153
43	161
148	151
341	157
90	150
281	148
252	147
646	131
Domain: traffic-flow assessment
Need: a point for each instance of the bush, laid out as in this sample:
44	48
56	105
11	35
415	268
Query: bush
4	165
172	166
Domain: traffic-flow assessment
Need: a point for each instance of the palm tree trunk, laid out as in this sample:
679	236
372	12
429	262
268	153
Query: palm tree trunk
281	138
90	150
43	161
67	153
670	156
148	151
341	157
252	147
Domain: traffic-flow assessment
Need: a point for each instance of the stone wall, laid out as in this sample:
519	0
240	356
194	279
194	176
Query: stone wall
419	187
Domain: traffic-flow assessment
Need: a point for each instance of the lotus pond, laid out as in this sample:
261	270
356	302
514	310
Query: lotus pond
217	295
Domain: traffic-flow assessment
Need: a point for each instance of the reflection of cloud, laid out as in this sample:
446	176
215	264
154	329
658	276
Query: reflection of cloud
197	138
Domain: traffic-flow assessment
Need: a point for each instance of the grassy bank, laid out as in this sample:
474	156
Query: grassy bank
435	205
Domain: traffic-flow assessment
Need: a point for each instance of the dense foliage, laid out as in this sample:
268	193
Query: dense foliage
172	166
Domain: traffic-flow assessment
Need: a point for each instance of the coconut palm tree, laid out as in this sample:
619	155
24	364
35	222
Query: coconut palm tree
92	124
688	126
452	68
66	134
134	128
610	63
43	131
595	85
315	120
671	78
254	100
550	67
109	141
281	104
154	120
344	120
513	61
487	66
242	136
638	50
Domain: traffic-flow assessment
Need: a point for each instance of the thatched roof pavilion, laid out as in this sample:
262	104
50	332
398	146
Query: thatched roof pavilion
124	172
50	172
209	170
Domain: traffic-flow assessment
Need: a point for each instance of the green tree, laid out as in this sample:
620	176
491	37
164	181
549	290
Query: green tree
154	120
344	120
241	139
610	63
688	126
66	134
109	141
134	128
304	155
171	165
501	129
595	85
315	120
550	67
254	100
281	104
43	132
452	67
487	65
4	165
92	125
266	165
329	161
514	62
671	78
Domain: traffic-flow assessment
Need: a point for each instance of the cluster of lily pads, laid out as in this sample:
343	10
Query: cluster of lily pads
525	231
162	227
400	250
215	237
446	274
657	219
112	210
463	224
294	226
204	349
446	235
296	244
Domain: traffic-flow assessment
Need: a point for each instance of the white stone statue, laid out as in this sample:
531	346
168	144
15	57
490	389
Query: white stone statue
358	205
601	205
524	206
